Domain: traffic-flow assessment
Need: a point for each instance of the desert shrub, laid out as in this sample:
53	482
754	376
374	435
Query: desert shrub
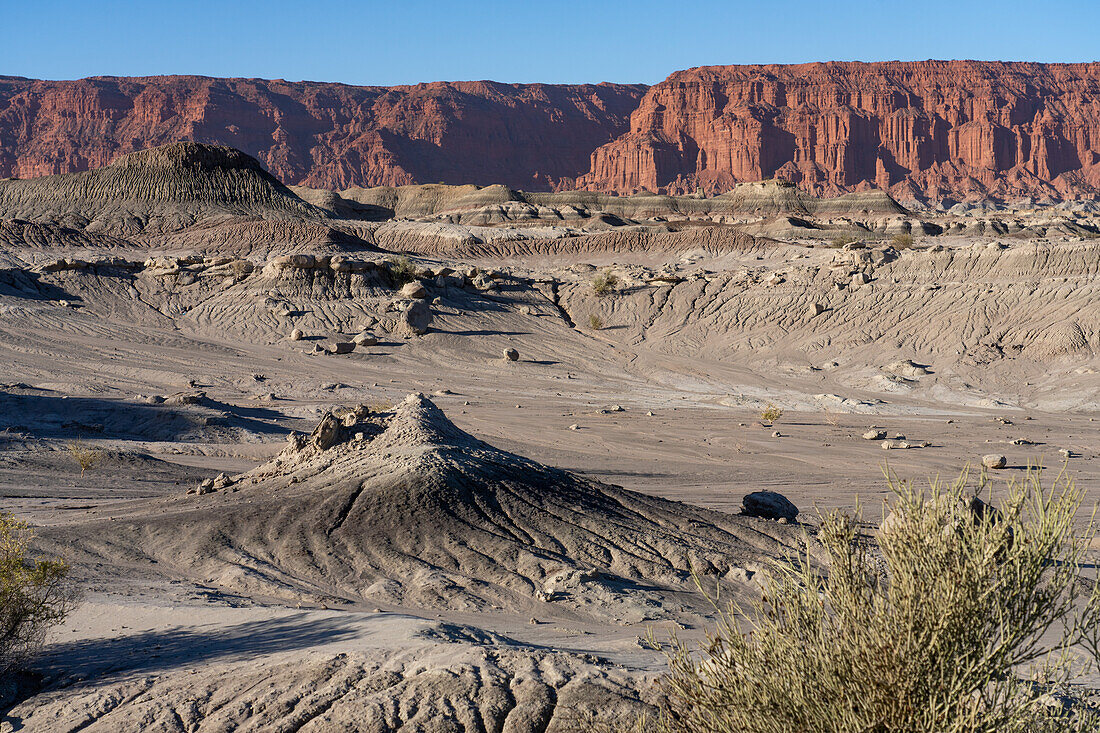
927	633
595	322
604	283
902	241
843	239
401	271
771	413
33	594
85	456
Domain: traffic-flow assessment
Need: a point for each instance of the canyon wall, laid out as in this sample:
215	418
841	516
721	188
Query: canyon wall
933	128
320	134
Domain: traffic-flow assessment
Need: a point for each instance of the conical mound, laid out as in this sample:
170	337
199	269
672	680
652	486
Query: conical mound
158	190
406	508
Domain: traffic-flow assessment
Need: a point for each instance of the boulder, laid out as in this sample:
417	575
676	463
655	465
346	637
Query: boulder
874	435
768	505
414	290
511	355
365	339
297	335
343	347
417	317
994	460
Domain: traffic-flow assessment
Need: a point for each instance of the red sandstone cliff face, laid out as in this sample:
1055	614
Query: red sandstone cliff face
935	128
317	134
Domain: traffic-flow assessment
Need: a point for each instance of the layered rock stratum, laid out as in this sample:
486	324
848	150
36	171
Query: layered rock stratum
929	129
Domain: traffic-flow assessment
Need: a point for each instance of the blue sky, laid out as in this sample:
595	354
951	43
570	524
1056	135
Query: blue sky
406	41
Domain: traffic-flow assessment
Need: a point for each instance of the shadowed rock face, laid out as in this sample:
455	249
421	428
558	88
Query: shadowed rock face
319	134
933	128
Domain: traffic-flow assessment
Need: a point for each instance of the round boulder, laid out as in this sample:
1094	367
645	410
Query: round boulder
511	355
994	460
768	505
414	290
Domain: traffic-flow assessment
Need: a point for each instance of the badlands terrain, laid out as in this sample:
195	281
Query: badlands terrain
443	457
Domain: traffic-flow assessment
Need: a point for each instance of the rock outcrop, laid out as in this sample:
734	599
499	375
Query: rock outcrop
930	128
319	134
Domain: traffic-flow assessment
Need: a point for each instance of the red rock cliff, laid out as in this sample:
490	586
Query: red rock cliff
936	128
318	134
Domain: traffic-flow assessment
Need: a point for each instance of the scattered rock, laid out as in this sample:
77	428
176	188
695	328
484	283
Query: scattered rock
414	290
511	355
417	317
777	434
297	335
222	481
343	347
874	435
993	460
574	426
768	505
365	339
816	309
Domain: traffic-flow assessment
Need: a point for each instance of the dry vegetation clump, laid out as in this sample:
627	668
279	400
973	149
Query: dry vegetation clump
842	240
902	241
604	283
940	629
771	413
85	456
33	594
401	271
595	322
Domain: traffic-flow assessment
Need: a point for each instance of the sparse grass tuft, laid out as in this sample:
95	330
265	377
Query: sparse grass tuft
595	322
85	456
33	594
604	283
902	241
401	271
929	632
771	413
843	239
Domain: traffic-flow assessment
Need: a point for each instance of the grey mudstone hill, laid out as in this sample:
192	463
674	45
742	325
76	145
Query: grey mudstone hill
403	507
157	190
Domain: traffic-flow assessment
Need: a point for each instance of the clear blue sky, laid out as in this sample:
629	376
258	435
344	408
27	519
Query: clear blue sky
406	41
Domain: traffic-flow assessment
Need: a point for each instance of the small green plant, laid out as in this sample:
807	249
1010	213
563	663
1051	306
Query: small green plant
33	594
771	413
595	322
902	241
604	283
85	456
843	239
401	271
929	632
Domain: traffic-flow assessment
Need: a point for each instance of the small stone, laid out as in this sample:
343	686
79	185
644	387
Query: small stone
816	309
574	426
777	434
994	460
616	408
511	355
874	435
297	335
365	339
649	413
1064	452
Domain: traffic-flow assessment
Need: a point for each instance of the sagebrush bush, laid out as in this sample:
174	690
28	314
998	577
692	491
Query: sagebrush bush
931	632
401	271
902	241
771	413
33	594
595	322
86	457
604	283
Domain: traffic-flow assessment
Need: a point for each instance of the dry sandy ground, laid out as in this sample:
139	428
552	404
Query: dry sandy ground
974	350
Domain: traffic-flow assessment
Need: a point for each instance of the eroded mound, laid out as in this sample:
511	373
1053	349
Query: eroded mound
405	508
158	190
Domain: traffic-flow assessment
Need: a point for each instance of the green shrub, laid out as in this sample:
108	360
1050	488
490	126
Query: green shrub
925	634
771	413
902	241
33	594
85	456
401	271
843	239
604	283
595	322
